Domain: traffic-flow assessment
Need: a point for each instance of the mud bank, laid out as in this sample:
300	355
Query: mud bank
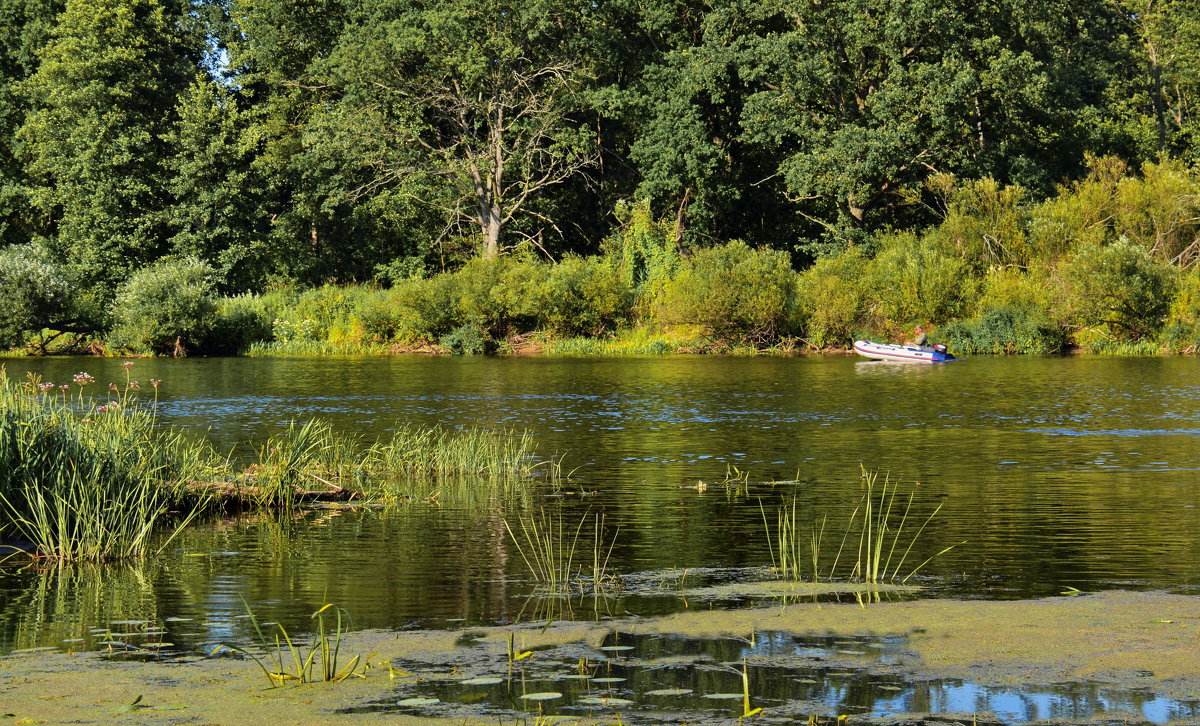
1144	640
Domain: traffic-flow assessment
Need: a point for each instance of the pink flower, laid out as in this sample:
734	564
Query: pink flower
46	387
83	378
128	364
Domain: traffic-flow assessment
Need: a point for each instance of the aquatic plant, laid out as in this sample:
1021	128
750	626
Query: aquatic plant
287	662
86	482
548	546
880	542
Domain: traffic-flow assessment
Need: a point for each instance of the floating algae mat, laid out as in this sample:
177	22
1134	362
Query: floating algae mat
669	679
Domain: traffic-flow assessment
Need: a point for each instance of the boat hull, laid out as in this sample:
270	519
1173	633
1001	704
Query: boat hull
900	353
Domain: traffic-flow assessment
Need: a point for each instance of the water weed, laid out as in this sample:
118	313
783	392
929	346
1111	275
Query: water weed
878	524
285	662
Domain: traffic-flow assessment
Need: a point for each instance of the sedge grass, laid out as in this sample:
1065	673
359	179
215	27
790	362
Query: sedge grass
879	525
87	483
547	545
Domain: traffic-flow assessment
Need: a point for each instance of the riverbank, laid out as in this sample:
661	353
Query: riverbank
1124	641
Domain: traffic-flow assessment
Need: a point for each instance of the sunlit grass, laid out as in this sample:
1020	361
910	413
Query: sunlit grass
285	662
548	546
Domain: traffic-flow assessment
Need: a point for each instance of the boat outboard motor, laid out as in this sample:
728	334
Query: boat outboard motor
939	347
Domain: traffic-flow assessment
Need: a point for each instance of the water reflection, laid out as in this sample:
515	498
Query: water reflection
668	679
1053	473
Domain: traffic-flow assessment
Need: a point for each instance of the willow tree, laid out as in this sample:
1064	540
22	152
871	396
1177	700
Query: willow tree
468	106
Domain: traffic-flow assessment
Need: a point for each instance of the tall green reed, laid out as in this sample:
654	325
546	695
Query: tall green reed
879	523
81	482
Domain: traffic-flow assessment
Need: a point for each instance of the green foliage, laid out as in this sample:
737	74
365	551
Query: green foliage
467	339
733	291
240	321
33	292
583	296
101	101
645	248
166	306
1004	330
1118	288
983	222
912	280
831	299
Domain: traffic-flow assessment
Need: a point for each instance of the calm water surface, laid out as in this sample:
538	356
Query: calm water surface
1052	473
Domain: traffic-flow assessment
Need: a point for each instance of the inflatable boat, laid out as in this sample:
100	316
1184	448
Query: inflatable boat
902	353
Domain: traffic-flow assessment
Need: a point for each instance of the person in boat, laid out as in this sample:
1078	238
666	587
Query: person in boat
919	339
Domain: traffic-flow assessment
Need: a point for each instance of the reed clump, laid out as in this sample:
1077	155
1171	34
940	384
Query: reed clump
86	482
81	481
880	524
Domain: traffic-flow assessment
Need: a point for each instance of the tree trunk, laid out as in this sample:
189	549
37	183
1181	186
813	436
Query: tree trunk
491	232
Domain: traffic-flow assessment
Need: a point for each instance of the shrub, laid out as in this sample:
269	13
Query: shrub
1005	330
583	296
32	292
167	303
831	300
734	291
498	294
1118	288
240	322
467	339
913	280
424	309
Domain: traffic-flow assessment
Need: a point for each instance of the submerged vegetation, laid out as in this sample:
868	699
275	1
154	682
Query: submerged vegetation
81	481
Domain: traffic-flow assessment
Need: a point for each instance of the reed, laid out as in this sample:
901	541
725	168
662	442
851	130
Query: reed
81	482
548	548
879	524
285	662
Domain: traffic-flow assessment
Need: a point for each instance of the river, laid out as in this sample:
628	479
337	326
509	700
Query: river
1051	473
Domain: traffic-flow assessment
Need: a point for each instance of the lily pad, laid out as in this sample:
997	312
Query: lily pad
417	701
615	648
542	696
598	701
482	681
669	692
723	696
608	680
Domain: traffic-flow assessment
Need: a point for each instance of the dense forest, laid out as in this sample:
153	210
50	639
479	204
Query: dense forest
347	174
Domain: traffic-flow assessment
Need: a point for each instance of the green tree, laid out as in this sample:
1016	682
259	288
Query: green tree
27	26
863	99
101	100
466	106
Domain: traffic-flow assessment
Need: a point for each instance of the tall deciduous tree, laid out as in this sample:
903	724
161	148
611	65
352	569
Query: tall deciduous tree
469	106
865	98
27	25
102	98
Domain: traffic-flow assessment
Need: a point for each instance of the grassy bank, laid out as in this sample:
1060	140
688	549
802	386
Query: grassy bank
82	480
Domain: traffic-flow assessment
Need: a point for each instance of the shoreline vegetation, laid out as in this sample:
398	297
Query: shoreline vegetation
506	176
1103	267
81	481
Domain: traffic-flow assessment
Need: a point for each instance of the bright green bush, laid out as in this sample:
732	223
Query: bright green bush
984	221
167	304
644	249
32	292
241	321
830	299
913	280
1004	330
1118	289
583	296
467	339
423	309
734	291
